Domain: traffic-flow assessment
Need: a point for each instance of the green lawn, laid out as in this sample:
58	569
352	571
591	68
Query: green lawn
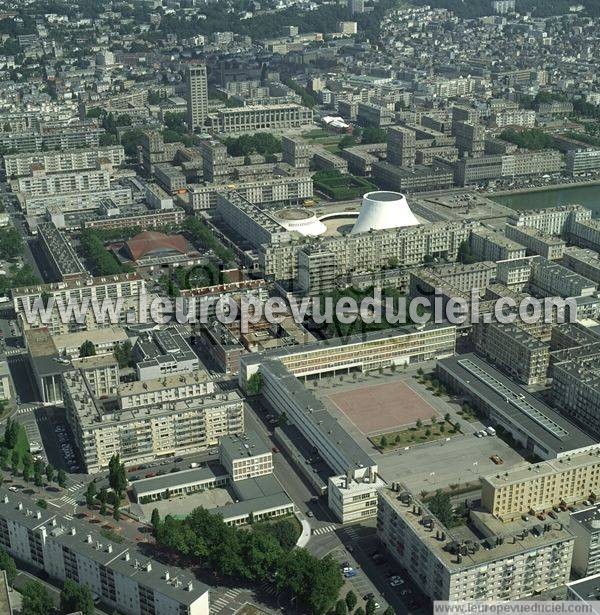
414	435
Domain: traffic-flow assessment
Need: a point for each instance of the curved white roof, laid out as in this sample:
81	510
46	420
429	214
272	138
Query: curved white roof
303	222
382	210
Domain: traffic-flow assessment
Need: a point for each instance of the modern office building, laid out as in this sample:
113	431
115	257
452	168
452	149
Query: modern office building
118	573
505	405
582	161
163	352
260	117
60	255
245	456
197	95
481	560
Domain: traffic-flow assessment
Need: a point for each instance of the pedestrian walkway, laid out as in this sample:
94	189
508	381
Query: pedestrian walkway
324	530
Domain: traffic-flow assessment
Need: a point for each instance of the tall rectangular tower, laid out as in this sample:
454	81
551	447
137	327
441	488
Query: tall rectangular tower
197	95
401	147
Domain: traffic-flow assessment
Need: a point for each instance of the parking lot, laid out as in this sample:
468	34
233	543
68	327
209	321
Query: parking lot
57	439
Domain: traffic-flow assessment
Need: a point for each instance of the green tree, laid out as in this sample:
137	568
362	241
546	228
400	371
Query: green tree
7	563
87	349
123	354
155	519
419	423
347	141
15	461
383	441
49	472
116	508
117	475
61	479
341	608
90	494
11	243
441	506
456	427
370	607
75	597
4	457
254	384
359	611
11	433
351	600
36	599
389	611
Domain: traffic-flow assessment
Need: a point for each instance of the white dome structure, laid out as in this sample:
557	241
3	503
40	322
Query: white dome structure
383	210
300	221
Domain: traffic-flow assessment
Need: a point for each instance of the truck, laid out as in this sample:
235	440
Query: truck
491	431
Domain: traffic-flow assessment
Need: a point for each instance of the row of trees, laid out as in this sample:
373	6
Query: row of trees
101	261
261	142
202	233
257	555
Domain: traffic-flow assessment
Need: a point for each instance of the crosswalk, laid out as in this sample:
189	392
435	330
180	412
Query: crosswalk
67	500
75	487
352	532
327	529
217	605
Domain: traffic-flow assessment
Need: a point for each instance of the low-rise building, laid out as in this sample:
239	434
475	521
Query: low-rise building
489	245
245	456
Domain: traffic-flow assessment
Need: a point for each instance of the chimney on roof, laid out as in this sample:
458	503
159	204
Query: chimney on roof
73	531
148	567
89	539
20	506
127	556
190	586
167	575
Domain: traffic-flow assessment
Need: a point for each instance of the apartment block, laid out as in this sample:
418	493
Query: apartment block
296	152
515	351
540	486
401	146
60	254
490	245
291	190
126	287
552	220
40	183
585	524
120	574
101	372
583	261
19	165
352	500
142	433
550	279
536	242
478	561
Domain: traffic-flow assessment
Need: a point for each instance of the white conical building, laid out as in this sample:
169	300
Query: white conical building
384	209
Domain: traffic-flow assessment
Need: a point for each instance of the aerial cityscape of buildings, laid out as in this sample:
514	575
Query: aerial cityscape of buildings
299	305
